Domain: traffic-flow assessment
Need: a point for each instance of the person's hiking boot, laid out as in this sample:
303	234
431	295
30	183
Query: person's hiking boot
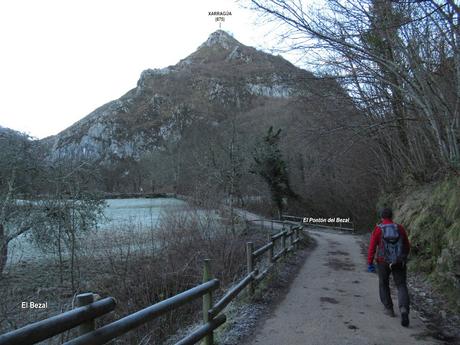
389	311
404	317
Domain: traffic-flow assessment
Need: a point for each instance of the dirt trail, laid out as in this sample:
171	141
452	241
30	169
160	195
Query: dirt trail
334	301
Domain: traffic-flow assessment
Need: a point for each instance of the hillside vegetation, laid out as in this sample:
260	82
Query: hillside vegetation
431	213
400	63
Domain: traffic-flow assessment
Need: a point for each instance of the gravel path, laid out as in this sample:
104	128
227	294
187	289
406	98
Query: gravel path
334	301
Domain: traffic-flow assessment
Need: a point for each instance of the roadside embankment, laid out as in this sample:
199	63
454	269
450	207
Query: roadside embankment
431	213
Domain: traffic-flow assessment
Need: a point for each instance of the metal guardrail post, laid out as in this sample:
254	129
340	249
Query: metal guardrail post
250	263
82	300
207	301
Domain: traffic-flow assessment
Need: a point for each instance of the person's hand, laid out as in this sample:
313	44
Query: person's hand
371	268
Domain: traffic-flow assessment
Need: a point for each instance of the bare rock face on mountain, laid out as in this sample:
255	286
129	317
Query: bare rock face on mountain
221	78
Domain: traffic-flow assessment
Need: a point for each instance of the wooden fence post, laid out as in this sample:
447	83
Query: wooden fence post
283	241
272	248
207	301
250	264
82	300
291	236
296	245
294	237
271	221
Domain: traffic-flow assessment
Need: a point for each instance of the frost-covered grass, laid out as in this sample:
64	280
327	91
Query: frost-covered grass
136	264
144	212
121	215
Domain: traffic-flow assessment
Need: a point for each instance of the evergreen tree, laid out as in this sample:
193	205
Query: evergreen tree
269	164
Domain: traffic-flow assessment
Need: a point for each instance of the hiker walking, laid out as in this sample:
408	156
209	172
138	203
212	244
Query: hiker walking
392	245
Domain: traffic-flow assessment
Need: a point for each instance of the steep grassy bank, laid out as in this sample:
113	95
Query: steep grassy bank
431	214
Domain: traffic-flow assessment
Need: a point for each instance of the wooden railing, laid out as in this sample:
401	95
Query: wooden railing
88	310
83	316
270	223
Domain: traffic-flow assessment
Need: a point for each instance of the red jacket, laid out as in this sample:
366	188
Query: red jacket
376	241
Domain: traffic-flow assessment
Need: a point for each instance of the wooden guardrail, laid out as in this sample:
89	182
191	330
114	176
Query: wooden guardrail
268	223
84	315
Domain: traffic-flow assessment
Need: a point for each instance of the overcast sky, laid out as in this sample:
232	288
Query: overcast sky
62	59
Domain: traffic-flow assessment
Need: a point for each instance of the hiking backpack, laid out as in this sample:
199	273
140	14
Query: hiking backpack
392	244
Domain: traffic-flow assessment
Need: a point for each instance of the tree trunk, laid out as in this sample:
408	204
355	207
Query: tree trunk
72	258
3	249
61	261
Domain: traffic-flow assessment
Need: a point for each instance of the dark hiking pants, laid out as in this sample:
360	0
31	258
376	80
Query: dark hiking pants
399	277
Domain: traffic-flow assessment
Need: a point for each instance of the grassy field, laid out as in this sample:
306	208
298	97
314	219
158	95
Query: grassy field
138	263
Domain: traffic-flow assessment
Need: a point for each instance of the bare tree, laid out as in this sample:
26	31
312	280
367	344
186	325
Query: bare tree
18	168
399	61
69	211
48	202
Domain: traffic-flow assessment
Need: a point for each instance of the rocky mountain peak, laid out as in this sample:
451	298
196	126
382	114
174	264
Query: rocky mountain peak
221	51
222	39
221	77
